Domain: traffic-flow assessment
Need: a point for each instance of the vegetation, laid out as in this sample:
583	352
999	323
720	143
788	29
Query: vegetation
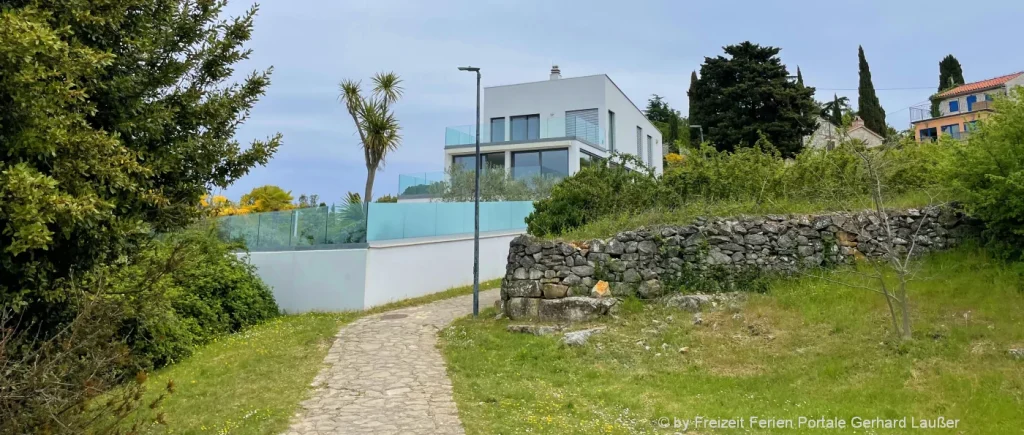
741	98
989	176
252	382
675	130
751	180
495	185
784	354
114	121
869	108
951	75
833	110
374	120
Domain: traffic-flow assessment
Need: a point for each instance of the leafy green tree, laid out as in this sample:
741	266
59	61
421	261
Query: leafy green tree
799	77
869	108
387	199
989	175
374	120
740	97
951	75
667	120
833	110
267	198
115	119
690	93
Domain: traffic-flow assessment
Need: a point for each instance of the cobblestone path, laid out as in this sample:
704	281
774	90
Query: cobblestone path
384	375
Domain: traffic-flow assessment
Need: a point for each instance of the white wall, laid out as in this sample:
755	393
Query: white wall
411	267
627	117
326	280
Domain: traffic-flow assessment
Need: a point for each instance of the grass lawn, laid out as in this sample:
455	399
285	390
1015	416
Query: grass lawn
252	382
807	348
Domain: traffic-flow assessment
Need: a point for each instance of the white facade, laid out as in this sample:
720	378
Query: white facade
828	136
584	115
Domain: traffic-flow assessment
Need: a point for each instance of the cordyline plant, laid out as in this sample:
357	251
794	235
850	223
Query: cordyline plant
374	120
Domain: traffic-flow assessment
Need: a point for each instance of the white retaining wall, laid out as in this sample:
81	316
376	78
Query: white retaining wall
352	279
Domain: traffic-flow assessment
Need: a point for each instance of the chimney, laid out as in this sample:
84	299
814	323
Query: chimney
555	72
857	123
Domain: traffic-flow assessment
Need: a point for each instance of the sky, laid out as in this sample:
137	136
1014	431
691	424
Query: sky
646	47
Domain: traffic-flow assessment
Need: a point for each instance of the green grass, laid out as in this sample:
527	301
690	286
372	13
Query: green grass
807	348
252	382
610	225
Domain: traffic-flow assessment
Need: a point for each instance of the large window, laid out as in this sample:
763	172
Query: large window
582	124
639	143
587	160
526	127
954	106
970	102
527	164
611	130
928	134
497	129
490	160
952	130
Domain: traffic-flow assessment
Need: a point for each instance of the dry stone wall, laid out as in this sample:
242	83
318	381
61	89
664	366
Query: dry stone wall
553	280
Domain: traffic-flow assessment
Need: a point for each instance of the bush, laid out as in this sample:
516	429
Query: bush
989	175
202	290
756	175
604	187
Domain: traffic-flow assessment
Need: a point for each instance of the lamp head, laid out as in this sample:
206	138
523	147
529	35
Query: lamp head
469	68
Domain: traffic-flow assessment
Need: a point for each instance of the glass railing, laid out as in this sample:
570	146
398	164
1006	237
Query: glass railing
288	229
390	221
548	128
496	183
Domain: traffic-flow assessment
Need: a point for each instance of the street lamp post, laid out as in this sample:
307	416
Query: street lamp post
698	126
476	199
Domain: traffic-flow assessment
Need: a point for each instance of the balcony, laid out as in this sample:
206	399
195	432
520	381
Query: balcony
547	128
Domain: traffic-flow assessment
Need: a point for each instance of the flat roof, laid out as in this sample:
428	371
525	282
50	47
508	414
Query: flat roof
580	77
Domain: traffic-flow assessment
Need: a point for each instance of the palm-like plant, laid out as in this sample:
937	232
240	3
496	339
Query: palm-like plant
374	120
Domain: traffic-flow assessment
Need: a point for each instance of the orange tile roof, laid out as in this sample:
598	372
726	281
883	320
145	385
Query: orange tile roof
979	86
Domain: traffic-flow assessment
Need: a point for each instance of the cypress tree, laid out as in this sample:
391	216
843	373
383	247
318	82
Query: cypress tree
693	101
869	109
799	77
950	75
836	117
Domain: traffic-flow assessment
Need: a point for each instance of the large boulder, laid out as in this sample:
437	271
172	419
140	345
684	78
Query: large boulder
522	308
573	308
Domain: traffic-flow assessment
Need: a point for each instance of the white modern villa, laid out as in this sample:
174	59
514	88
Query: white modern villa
554	127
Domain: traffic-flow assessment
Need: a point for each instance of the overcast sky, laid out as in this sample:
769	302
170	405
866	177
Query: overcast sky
645	47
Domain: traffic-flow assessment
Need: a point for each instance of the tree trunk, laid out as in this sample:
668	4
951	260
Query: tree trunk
371	173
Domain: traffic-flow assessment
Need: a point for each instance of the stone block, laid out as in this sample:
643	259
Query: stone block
552	291
523	289
573	309
522	308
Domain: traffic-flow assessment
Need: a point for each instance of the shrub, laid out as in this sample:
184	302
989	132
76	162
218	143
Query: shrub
203	290
606	186
989	175
754	175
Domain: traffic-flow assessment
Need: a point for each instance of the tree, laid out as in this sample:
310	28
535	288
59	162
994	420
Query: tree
114	121
690	92
799	77
740	97
387	199
374	120
951	75
308	201
833	110
667	120
869	108
267	198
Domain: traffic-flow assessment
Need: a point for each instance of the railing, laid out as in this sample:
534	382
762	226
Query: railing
548	128
434	184
288	229
426	219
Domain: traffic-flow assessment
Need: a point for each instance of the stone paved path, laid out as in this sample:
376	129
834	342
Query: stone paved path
384	375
